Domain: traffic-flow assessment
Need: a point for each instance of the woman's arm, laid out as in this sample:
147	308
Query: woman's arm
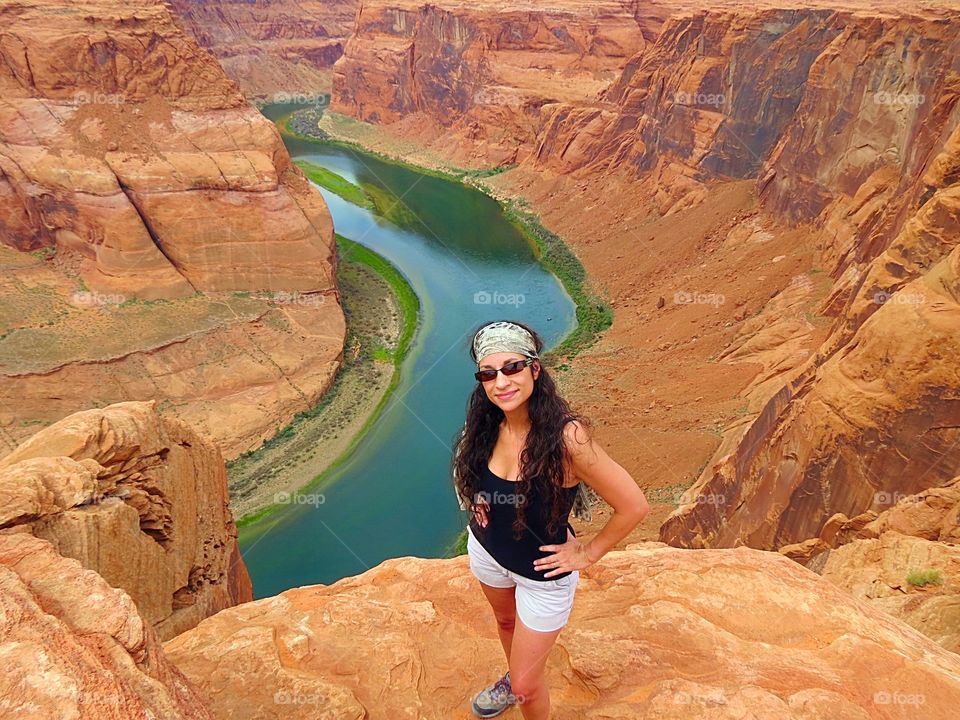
591	464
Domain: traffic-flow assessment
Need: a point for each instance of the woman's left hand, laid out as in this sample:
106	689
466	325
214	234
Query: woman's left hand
572	555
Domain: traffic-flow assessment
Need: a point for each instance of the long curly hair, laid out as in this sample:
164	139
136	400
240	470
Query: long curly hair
544	452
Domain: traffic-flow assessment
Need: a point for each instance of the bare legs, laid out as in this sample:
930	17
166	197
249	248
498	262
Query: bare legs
505	610
526	651
528	660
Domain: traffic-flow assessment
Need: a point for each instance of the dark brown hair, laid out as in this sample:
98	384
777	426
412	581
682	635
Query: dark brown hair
544	452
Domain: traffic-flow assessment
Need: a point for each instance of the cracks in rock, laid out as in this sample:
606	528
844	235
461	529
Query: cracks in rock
148	226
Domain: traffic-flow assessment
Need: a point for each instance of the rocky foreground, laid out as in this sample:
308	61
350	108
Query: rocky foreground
137	498
656	631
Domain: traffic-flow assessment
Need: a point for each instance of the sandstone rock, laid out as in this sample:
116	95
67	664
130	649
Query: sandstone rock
873	413
845	432
877	571
272	49
200	193
655	632
74	647
871	123
125	148
141	500
477	79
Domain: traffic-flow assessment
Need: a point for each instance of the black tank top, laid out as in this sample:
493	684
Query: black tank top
497	537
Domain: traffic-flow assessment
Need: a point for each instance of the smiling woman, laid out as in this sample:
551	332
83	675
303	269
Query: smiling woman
520	461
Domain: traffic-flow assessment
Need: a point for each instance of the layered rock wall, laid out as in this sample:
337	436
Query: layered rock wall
75	647
480	75
123	141
139	499
272	48
153	199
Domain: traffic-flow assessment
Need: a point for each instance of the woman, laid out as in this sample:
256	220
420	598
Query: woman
518	465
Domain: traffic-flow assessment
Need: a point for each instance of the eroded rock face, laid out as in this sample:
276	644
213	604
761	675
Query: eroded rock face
74	647
655	632
278	47
879	102
874	413
139	499
477	78
709	98
123	141
879	571
135	164
882	557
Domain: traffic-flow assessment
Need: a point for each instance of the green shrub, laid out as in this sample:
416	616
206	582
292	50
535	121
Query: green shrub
919	578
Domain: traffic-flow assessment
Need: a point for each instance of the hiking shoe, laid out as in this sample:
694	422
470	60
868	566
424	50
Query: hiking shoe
495	699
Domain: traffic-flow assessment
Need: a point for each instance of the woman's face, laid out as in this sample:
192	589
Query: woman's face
509	392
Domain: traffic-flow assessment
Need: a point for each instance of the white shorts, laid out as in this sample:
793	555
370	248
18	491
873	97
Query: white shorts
542	605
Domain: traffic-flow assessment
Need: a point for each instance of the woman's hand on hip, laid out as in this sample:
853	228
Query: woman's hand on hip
570	556
480	508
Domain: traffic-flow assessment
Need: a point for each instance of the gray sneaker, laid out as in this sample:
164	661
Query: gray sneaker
495	699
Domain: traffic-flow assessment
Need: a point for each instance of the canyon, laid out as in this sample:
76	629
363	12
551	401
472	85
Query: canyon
799	169
769	198
814	150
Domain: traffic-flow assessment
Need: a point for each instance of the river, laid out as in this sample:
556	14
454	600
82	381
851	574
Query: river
393	496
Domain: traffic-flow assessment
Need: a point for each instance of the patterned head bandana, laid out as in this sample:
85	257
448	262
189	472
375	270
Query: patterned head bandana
503	336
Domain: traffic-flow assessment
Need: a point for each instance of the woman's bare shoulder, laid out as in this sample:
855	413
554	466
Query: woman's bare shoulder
576	436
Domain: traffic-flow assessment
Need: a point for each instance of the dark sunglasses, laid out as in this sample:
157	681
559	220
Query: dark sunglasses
511	368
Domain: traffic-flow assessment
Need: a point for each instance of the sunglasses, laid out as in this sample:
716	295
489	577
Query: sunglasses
511	368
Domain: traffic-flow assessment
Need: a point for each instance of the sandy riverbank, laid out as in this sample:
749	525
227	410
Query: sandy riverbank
376	315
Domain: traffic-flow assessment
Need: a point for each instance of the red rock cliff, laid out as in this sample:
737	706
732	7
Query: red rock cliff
75	647
123	141
141	500
272	47
133	169
481	74
875	412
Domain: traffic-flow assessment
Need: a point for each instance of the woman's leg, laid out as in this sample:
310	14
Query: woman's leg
504	605
528	659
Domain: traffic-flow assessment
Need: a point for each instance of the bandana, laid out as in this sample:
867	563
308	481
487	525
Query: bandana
503	337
